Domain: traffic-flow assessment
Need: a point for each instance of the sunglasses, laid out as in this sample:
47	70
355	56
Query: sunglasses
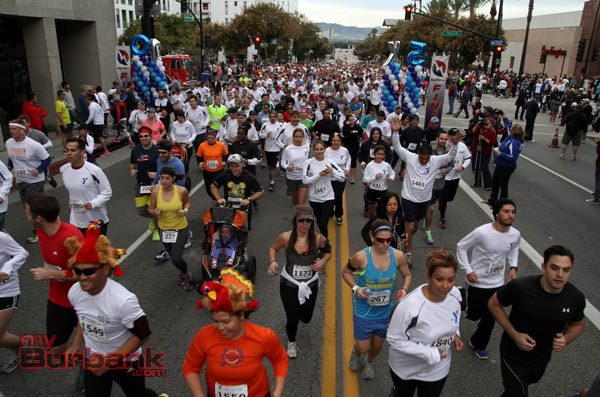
87	271
305	220
383	240
162	152
144	136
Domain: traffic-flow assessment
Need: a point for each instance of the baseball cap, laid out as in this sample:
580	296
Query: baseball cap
453	131
435	119
235	158
304	211
574	104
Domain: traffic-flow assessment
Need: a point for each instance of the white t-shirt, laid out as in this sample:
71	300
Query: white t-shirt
286	134
375	97
6	179
136	118
341	158
463	158
269	132
86	184
26	155
386	129
372	169
414	349
491	250
418	182
107	317
182	132
295	156
96	116
198	117
319	187
12	257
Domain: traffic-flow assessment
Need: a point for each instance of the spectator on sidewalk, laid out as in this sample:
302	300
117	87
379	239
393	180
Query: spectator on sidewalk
575	122
34	111
596	198
532	108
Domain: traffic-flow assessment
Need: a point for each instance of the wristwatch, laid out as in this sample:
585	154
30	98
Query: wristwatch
354	289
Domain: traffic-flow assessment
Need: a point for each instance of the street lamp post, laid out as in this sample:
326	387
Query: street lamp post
200	24
524	52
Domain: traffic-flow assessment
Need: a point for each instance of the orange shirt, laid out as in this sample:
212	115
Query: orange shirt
213	155
237	362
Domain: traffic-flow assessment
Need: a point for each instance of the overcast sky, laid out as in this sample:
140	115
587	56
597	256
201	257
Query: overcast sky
372	13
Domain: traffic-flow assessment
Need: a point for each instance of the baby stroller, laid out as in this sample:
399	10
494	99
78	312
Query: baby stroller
213	219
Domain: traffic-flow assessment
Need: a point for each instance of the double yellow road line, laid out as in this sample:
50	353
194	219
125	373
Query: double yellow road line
329	364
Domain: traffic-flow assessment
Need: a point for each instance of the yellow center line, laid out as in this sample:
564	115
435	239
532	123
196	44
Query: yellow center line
328	369
350	378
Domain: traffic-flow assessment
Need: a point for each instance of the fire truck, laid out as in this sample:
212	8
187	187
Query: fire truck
180	67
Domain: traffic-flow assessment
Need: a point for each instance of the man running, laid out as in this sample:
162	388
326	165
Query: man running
417	187
142	165
492	245
438	185
30	161
88	187
546	315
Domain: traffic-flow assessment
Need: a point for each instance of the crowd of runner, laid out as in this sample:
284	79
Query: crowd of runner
313	129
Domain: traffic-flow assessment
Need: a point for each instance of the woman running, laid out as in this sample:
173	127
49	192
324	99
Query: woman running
376	177
292	160
232	348
340	156
424	327
170	203
388	209
306	253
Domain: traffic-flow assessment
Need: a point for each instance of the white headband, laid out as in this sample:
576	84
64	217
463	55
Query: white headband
17	125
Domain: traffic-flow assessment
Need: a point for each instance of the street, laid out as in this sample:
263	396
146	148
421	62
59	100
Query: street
550	195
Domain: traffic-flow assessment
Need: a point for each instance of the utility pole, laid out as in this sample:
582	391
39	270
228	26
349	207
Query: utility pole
496	56
186	7
147	21
524	52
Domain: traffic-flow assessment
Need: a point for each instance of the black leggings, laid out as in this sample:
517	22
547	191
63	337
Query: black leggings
500	182
406	388
322	213
518	375
101	386
477	309
176	249
209	177
338	191
294	311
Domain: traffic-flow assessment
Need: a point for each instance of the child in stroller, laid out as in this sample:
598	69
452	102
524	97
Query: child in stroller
224	246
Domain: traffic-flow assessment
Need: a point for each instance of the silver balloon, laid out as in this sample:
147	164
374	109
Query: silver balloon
394	51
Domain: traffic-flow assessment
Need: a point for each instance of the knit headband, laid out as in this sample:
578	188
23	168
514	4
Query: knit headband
16	125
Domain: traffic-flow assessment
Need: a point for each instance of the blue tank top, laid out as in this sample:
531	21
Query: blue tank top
381	283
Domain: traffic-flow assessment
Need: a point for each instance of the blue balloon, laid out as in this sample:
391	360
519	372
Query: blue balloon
385	77
140	45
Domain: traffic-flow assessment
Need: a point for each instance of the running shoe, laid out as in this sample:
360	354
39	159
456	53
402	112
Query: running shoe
562	156
428	237
179	279
480	354
409	259
32	239
442	224
573	158
339	220
355	364
368	372
162	256
10	365
155	235
106	153
187	282
52	182
352	181
593	201
188	243
271	186
292	350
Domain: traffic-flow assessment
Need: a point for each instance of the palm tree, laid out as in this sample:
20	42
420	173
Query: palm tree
473	5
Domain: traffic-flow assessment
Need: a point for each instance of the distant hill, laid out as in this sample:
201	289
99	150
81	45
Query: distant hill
341	32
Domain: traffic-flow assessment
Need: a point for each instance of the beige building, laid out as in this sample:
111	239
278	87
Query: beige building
557	31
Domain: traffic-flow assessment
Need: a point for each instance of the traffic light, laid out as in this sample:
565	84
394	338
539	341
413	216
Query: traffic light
408	12
580	50
596	54
498	49
543	58
184	6
256	40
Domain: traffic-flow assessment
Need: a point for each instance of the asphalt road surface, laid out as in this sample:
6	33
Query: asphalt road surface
550	194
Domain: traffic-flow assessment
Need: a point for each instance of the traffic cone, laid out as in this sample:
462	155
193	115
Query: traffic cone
554	143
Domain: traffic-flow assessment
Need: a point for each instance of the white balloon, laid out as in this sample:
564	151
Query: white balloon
135	58
388	70
414	110
410	105
159	63
418	68
422	75
392	78
395	83
162	69
155	94
406	100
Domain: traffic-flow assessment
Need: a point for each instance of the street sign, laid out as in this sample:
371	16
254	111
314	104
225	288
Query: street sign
188	18
494	43
452	33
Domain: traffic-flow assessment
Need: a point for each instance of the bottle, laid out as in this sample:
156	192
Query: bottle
366	292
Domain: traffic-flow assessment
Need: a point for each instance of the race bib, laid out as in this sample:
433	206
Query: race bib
372	153
320	189
77	206
379	298
212	164
21	171
496	268
444	343
412	146
377	185
302	272
231	391
146	189
325	137
93	329
169	236
418	184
